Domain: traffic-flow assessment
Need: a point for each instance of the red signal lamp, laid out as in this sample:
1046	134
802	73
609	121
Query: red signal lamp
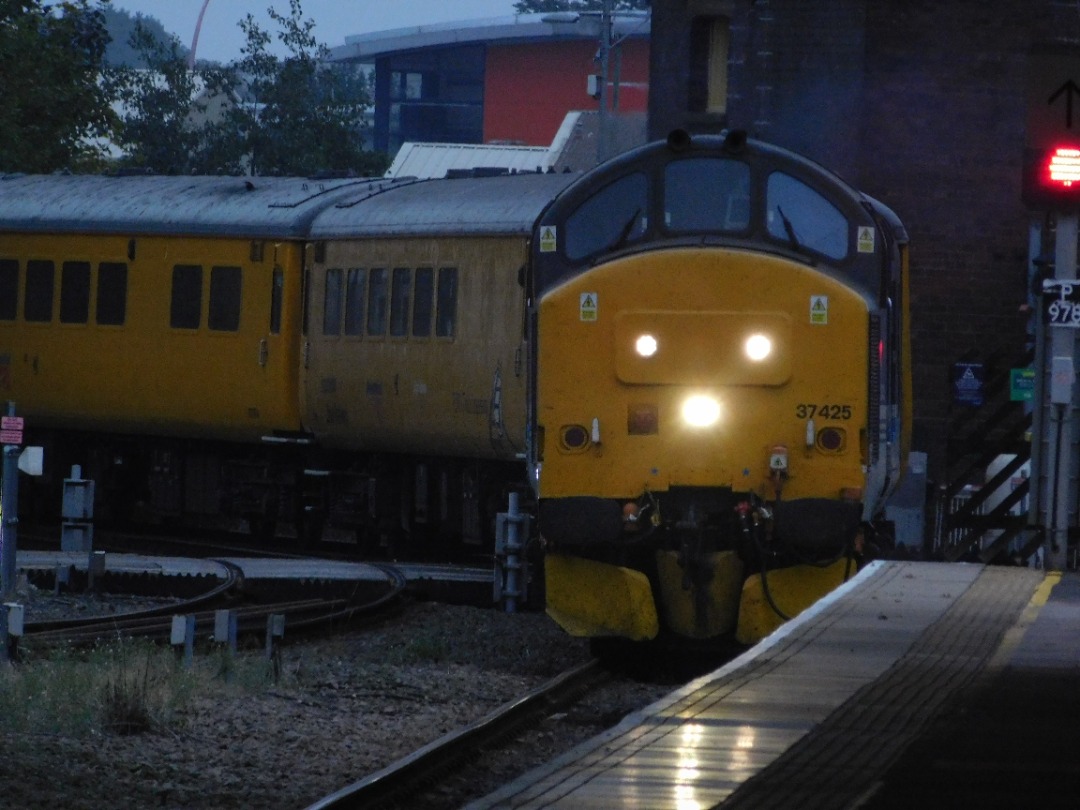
1052	177
1064	166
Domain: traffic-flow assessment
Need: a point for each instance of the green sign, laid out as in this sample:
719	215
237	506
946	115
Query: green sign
1022	384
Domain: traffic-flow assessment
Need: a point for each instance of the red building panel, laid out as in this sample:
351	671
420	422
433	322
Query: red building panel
529	88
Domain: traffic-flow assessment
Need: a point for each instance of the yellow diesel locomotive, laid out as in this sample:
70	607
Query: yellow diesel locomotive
691	361
720	397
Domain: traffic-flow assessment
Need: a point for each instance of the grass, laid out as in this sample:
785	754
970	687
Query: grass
122	687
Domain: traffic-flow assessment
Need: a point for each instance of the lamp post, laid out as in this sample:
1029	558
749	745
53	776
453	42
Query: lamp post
603	55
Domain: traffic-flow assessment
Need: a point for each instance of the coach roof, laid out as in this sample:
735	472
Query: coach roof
246	207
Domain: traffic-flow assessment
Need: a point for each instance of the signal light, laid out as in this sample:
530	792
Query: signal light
1052	177
1064	166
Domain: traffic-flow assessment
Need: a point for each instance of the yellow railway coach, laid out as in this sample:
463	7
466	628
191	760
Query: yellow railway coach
158	310
721	396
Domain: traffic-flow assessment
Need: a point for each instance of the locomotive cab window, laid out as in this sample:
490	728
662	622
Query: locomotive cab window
611	218
40	282
801	217
185	310
225	297
111	307
707	194
75	292
9	289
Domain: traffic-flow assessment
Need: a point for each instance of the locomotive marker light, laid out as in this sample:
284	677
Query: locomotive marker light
758	347
646	346
701	411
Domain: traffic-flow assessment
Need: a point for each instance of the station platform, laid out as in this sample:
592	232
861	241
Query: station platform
915	685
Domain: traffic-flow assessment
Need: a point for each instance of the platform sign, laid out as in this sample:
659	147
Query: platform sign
11	429
1052	138
968	383
1021	384
1061	302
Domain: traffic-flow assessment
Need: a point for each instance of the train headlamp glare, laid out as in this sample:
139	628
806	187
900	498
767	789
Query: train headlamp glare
646	346
701	411
758	347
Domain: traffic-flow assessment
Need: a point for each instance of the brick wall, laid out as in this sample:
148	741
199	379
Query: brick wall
920	103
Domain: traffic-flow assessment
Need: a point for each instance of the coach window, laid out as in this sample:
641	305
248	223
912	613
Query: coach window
422	292
355	289
111	307
40	281
277	298
75	292
611	218
706	194
401	288
378	293
331	319
803	218
185	311
225	297
9	289
446	303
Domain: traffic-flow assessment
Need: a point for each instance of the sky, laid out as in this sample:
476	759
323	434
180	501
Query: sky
220	38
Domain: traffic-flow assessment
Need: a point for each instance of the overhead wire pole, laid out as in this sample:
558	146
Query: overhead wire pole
603	138
1062	387
9	499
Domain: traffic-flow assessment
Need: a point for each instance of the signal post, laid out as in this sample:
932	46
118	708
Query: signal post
1051	188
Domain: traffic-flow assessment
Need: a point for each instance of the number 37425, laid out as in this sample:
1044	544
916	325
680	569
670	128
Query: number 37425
806	410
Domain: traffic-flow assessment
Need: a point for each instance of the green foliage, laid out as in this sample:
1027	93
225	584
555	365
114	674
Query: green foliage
125	687
260	115
54	107
160	129
122	30
303	116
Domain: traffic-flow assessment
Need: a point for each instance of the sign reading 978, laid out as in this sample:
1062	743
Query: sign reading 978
1061	302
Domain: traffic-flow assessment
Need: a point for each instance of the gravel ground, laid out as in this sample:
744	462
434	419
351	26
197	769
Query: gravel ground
343	708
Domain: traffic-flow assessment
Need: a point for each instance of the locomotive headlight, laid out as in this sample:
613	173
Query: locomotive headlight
646	345
701	411
757	347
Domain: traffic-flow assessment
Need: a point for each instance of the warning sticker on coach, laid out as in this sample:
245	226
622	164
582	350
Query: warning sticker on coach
548	239
819	309
865	239
588	306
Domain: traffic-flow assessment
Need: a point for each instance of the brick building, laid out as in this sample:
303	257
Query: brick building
920	104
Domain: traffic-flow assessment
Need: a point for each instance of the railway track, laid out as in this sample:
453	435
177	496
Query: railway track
419	771
301	615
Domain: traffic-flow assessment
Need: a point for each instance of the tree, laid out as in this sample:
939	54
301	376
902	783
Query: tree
549	6
302	116
122	26
158	130
54	107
